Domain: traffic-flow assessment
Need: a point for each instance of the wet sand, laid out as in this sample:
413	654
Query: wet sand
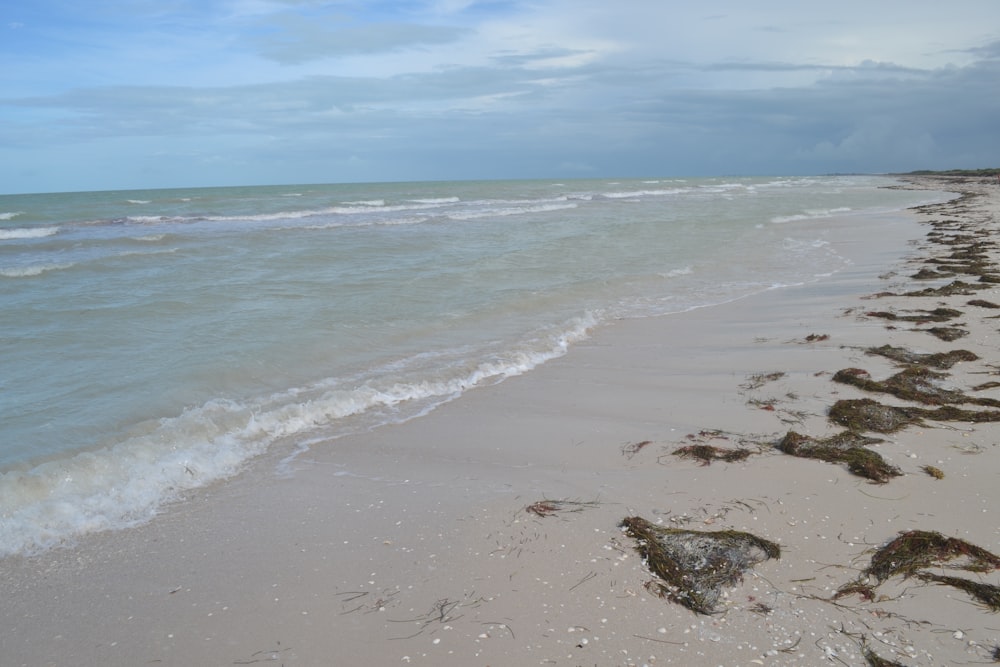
487	532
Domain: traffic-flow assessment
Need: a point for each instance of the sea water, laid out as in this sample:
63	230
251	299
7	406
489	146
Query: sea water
156	341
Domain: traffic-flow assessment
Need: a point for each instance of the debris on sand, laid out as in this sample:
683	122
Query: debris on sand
936	315
911	384
910	552
864	414
708	453
936	473
846	447
941	360
695	566
986	594
545	508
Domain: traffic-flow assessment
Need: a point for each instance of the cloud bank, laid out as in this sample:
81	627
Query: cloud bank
258	91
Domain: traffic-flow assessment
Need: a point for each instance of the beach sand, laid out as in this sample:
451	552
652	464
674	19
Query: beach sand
487	532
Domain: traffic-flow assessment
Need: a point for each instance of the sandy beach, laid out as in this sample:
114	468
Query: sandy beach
488	532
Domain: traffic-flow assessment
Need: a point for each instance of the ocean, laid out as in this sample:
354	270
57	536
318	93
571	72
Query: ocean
156	341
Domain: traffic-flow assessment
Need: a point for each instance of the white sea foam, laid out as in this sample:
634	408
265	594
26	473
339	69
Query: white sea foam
673	273
631	194
33	270
436	200
27	233
10	215
811	214
511	210
138	201
125	484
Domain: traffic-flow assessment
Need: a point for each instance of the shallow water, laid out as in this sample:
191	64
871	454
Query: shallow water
158	340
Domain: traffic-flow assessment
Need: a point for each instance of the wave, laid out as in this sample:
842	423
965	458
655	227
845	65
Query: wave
125	484
138	201
629	194
811	214
513	210
10	215
366	202
31	271
27	233
436	200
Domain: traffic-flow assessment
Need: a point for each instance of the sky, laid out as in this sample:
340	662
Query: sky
104	94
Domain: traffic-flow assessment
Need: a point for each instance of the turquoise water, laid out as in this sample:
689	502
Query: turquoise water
155	341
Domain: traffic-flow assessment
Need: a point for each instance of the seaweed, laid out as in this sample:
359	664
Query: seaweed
633	448
946	333
708	453
986	594
914	550
695	566
546	508
913	384
983	303
864	414
845	447
936	473
875	660
910	552
942	360
951	289
758	380
930	274
936	315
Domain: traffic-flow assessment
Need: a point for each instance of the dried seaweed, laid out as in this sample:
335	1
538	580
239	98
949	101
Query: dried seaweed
987	594
910	552
545	508
864	414
917	549
875	660
913	384
846	447
758	380
936	315
951	289
936	473
983	303
948	334
695	566
708	453
942	360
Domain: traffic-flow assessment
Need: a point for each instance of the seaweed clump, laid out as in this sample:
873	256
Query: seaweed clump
936	315
708	453
947	334
695	566
941	360
864	414
912	384
845	447
910	552
983	303
986	594
951	289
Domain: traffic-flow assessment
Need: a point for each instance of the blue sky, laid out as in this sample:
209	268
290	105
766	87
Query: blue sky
99	94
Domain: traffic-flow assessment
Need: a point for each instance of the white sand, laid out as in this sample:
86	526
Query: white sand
411	544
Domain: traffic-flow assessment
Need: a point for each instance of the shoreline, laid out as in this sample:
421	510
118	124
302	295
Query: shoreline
414	544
